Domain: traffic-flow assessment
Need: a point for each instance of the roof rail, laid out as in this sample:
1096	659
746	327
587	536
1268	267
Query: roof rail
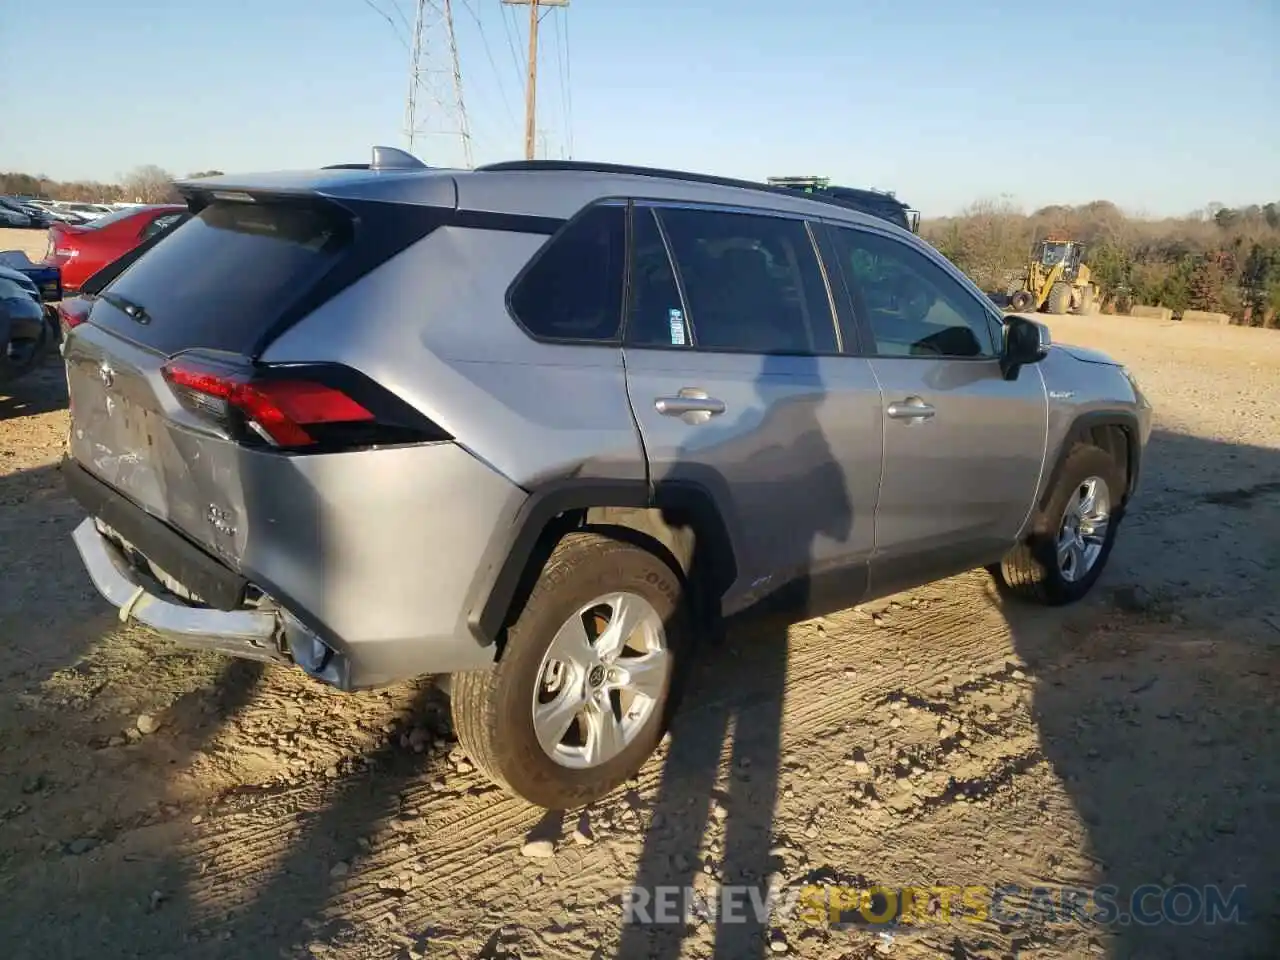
587	166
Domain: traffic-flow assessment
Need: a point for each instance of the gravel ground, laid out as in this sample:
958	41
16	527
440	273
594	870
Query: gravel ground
161	803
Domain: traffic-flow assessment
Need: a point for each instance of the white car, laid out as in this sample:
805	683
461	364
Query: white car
53	211
86	211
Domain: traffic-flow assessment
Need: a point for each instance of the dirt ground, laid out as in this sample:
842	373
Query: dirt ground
156	803
31	242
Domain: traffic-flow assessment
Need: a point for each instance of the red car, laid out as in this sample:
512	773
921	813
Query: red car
81	251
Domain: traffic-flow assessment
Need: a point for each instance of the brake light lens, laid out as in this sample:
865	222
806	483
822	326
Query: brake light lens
306	407
279	411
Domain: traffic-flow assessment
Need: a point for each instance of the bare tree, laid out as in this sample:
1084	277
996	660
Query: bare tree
988	241
149	184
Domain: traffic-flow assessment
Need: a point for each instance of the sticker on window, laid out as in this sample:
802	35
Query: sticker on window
676	318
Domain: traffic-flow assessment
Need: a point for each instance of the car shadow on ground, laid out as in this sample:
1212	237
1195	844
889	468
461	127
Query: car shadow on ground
718	718
43	390
1166	748
1163	721
1160	720
66	789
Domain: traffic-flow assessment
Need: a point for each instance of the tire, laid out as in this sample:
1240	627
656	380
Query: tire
1086	301
1021	301
23	353
1059	300
493	710
1031	570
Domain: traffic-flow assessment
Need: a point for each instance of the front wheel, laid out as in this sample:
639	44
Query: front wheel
1021	301
579	698
1059	300
1065	554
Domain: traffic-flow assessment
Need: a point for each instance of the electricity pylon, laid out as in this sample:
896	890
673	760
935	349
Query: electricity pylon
435	107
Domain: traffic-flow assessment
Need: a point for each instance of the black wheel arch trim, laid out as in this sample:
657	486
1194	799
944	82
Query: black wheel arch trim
1079	430
516	557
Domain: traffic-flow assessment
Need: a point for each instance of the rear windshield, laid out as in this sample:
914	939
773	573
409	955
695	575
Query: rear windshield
221	279
115	216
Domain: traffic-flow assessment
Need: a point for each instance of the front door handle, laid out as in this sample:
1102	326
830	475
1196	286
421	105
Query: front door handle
912	409
691	404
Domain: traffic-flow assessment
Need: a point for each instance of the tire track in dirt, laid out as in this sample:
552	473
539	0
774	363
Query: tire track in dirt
850	681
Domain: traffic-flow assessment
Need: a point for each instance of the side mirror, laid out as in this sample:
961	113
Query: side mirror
1025	341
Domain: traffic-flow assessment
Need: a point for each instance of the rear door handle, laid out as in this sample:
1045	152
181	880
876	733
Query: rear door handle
912	409
691	404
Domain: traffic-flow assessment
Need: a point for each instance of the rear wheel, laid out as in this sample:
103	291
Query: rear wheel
1021	301
581	694
1064	556
1059	298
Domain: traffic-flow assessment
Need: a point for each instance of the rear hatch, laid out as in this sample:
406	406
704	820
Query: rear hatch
170	404
203	301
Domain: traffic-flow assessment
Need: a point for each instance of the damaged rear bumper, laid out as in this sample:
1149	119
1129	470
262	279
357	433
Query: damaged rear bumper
268	633
252	634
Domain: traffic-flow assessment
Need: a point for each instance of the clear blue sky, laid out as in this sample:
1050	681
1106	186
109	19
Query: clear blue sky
1161	107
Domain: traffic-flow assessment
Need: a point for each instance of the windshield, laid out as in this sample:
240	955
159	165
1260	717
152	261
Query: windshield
1054	254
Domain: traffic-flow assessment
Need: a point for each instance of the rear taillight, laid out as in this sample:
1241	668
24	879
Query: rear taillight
66	252
297	407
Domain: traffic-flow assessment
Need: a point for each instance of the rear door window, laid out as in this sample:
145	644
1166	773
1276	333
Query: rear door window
657	312
572	290
751	282
221	279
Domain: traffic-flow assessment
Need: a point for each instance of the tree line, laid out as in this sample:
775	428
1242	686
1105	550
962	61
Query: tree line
1224	259
145	184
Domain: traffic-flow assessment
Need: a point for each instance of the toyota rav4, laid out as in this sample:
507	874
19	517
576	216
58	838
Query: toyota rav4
540	426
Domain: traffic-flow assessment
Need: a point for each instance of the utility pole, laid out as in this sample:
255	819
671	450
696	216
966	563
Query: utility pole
433	40
531	87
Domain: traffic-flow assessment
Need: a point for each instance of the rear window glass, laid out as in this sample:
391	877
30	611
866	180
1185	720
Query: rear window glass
573	290
107	218
221	279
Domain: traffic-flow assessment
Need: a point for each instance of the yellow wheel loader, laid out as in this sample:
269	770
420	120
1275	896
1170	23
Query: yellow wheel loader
1055	280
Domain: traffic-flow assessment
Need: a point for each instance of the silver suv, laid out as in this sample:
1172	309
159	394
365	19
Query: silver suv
539	426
